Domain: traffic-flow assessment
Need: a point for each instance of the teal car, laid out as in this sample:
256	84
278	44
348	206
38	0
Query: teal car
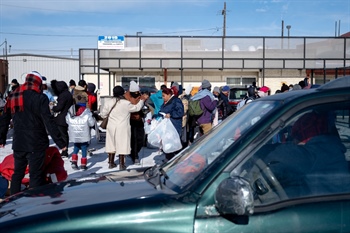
279	164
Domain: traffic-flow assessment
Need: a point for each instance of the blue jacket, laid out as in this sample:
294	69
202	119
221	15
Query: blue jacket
176	110
157	101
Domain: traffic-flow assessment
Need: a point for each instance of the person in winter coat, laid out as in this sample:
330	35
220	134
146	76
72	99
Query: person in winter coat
118	130
208	104
89	89
64	102
79	132
46	91
72	85
80	95
315	150
174	110
92	96
29	109
136	122
184	97
223	105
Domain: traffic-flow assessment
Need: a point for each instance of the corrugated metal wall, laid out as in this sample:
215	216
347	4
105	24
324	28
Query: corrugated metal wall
51	67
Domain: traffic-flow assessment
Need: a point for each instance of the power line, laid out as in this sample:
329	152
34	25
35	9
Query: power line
155	33
34	34
57	10
196	30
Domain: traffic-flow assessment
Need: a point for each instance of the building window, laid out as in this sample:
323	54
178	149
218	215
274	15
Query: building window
240	80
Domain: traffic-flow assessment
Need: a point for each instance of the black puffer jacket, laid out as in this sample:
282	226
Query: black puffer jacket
64	101
29	126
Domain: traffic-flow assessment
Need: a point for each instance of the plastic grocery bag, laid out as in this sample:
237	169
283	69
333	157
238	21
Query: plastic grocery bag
155	134
148	121
171	141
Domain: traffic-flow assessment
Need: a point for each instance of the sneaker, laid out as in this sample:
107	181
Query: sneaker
83	167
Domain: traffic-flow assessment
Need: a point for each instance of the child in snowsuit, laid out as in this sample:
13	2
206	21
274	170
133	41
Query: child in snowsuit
79	132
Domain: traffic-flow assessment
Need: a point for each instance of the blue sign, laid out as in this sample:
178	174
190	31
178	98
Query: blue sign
110	42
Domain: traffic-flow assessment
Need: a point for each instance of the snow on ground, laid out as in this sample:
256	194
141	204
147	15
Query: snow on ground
98	159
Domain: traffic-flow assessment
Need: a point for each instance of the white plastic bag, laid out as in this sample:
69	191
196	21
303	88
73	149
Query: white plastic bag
148	121
171	141
155	135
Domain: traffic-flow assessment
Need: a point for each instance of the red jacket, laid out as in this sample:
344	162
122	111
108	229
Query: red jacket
53	165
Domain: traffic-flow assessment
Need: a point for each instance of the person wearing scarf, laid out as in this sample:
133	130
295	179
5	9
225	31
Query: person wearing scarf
29	110
208	104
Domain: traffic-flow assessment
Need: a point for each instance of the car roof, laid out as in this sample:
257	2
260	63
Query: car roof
334	85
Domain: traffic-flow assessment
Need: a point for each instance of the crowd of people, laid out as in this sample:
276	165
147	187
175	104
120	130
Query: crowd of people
35	113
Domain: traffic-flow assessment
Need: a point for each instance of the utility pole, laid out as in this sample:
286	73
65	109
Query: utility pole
223	36
224	14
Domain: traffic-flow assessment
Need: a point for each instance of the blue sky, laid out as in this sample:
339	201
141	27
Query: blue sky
57	26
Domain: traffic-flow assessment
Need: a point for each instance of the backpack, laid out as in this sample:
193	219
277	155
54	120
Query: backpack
194	108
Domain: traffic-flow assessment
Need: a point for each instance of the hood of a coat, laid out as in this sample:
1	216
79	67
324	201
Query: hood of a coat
59	86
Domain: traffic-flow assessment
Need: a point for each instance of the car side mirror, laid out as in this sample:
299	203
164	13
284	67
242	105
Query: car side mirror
234	196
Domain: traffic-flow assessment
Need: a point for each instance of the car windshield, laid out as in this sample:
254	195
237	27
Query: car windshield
185	167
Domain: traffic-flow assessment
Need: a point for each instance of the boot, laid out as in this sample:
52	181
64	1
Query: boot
122	162
64	154
83	163
75	161
111	163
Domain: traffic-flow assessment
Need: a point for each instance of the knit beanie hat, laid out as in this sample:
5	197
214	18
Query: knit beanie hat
118	91
226	88
176	84
134	87
206	84
216	89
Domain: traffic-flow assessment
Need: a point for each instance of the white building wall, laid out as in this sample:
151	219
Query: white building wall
61	69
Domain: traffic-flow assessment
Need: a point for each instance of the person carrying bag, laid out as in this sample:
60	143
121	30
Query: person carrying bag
104	123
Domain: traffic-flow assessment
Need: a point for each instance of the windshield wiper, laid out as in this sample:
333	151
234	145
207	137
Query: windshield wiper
154	174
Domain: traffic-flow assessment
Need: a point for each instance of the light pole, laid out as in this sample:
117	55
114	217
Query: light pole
288	28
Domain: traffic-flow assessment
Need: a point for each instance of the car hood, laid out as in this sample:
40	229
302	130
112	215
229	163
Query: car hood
88	191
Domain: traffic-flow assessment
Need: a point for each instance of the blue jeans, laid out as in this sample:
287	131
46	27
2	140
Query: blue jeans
81	146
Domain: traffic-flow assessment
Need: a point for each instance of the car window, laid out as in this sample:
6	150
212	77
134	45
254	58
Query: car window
236	93
308	157
192	161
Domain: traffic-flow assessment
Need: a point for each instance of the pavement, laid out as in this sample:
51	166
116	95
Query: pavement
97	158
